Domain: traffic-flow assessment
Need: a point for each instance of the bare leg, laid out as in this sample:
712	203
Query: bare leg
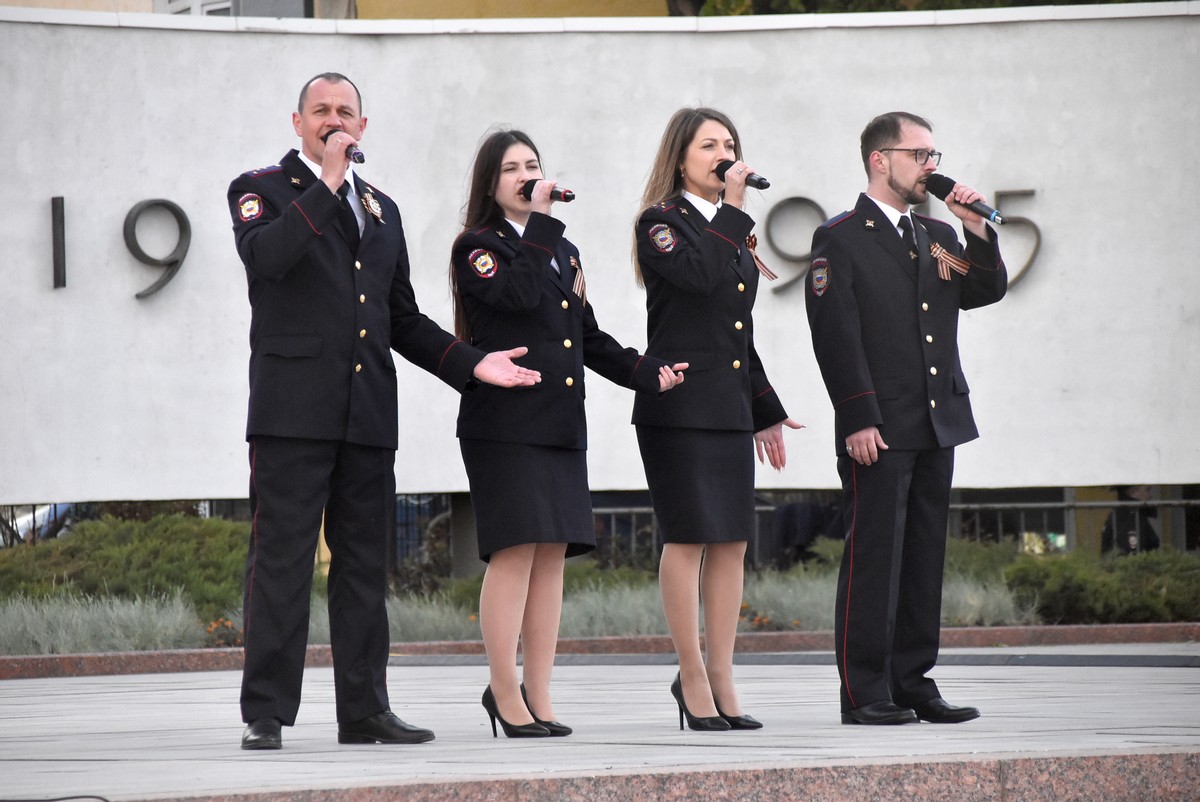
501	612
679	581
721	580
539	629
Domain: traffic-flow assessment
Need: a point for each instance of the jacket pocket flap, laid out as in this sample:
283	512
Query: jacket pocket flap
292	345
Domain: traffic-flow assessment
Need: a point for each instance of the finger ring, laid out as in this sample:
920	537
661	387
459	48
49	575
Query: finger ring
849	449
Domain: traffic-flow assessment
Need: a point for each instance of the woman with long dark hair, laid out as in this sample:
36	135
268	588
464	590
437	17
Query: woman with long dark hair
515	278
694	256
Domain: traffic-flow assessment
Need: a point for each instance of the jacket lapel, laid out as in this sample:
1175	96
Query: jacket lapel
742	264
299	176
925	265
886	235
565	277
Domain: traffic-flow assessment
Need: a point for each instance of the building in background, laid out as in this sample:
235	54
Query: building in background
364	9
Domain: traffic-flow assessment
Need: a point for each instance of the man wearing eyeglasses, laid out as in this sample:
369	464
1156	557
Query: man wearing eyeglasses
883	296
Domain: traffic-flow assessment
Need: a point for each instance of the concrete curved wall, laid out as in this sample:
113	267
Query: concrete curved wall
1084	375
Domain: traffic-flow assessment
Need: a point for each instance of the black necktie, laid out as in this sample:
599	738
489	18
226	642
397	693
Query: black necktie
907	235
346	216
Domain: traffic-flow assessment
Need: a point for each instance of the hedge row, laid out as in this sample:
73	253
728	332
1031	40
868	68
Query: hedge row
204	559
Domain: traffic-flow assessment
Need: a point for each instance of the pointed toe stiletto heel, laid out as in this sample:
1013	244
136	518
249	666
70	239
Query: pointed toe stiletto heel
699	723
556	728
530	730
742	722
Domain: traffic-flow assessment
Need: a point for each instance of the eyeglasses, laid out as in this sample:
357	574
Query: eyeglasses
920	154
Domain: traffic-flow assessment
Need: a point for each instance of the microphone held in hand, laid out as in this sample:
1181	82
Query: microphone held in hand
557	194
352	152
941	186
753	180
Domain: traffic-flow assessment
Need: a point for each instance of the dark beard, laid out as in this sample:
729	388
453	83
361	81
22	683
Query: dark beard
913	196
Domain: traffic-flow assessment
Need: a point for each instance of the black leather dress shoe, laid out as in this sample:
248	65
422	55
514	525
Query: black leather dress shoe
382	728
939	711
262	733
880	713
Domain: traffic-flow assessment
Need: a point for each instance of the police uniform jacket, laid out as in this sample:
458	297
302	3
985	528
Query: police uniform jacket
323	316
511	295
885	326
700	289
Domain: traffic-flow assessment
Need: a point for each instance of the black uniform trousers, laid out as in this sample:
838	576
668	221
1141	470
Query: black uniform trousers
293	483
889	597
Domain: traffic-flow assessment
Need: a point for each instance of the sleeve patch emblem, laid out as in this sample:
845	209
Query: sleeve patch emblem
484	262
663	237
820	276
249	207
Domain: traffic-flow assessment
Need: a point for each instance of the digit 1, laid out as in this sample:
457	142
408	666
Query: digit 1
58	229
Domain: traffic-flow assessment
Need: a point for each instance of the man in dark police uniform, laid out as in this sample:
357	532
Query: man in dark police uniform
330	295
883	297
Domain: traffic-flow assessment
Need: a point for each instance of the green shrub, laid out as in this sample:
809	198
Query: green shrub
463	593
588	575
123	559
579	575
979	559
1080	588
828	558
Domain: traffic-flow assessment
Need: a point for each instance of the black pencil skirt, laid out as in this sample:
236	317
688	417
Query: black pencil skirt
701	483
528	494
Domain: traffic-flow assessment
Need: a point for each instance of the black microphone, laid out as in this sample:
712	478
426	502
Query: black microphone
558	194
753	180
352	152
940	185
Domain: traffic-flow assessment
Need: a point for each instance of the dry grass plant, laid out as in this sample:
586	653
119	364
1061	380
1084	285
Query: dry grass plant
69	625
798	600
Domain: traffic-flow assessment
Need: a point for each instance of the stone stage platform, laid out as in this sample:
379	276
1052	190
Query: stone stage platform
1117	721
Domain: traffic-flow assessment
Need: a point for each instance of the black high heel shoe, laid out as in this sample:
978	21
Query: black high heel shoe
556	728
530	730
701	723
742	722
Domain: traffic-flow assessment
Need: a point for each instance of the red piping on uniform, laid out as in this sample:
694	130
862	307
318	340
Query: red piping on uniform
852	397
764	392
253	549
302	214
636	365
539	247
722	236
849	585
843	217
443	359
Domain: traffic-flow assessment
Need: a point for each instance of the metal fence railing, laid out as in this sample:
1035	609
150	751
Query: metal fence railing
630	535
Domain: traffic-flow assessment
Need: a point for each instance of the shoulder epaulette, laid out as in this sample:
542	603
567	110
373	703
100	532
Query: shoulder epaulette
261	171
841	218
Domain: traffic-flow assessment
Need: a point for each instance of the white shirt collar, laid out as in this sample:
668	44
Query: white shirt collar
316	170
706	208
894	214
520	229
